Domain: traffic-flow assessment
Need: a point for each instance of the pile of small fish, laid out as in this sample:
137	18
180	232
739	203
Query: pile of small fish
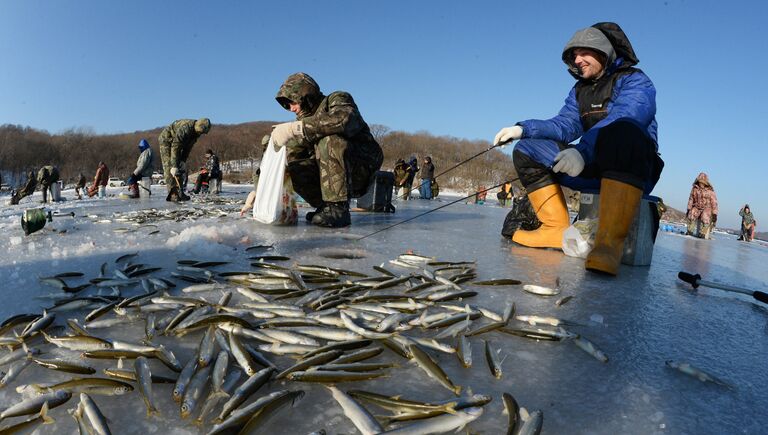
152	215
289	325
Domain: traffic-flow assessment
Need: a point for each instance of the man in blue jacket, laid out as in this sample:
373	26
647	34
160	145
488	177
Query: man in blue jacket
612	109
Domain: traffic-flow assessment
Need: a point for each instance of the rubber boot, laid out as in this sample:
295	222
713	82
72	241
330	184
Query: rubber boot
618	206
133	191
549	204
173	195
333	215
183	196
312	214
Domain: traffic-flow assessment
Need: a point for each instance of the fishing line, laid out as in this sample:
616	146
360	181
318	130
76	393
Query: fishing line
459	164
438	208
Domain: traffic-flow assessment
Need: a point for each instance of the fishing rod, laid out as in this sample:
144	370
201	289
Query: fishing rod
459	164
438	208
695	281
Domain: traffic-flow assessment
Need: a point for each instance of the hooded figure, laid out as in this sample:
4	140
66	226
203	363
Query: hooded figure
610	115
748	224
702	207
176	142
143	169
332	155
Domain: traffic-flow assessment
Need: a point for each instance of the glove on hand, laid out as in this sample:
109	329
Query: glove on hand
508	134
133	179
569	161
174	171
282	133
714	219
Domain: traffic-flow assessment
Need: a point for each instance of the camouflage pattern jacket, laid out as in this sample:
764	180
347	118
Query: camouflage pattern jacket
321	116
179	136
48	175
702	202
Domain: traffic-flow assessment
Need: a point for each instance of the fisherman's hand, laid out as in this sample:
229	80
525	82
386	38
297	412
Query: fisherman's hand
714	219
174	171
569	161
283	133
508	134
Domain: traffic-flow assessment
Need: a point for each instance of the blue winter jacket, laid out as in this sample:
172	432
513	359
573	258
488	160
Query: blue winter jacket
633	99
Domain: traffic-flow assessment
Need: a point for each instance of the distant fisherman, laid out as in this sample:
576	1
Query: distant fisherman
143	168
28	189
611	110
176	142
80	186
332	155
100	181
46	177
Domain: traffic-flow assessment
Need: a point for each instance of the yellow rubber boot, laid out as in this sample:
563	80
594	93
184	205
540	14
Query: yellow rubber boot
618	207
549	204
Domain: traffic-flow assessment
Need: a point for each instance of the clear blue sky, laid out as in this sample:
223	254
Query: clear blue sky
457	68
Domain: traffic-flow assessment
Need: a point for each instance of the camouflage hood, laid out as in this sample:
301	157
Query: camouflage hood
300	88
703	180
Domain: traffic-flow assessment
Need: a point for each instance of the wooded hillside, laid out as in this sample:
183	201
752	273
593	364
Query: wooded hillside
79	150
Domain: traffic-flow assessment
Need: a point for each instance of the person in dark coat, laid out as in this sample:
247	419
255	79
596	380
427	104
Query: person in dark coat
413	168
427	175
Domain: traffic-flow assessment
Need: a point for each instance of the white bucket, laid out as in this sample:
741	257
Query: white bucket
102	191
56	191
213	186
145	185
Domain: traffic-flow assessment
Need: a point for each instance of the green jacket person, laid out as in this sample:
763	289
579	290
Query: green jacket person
176	142
332	155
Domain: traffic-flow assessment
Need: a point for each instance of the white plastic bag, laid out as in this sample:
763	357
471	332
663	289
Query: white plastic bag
275	200
579	238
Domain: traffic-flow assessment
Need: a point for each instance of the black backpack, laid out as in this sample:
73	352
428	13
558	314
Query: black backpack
522	216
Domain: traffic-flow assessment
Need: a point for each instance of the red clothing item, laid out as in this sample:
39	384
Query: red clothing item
102	176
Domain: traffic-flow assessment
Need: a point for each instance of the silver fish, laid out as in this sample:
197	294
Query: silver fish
144	377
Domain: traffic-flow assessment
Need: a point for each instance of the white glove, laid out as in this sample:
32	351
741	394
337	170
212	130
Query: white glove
174	171
569	161
508	134
282	133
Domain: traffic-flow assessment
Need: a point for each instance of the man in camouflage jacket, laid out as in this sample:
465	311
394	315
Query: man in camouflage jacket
176	142
332	155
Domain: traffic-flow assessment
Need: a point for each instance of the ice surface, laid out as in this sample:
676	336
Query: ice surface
640	320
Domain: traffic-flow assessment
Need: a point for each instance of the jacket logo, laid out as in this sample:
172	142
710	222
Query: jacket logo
596	106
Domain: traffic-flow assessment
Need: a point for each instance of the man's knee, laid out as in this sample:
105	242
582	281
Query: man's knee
333	146
624	150
528	160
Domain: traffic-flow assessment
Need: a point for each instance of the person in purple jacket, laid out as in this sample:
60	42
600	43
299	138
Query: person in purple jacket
611	112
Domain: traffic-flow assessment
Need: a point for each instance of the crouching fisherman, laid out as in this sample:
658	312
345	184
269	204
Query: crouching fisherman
28	189
176	142
612	108
332	155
